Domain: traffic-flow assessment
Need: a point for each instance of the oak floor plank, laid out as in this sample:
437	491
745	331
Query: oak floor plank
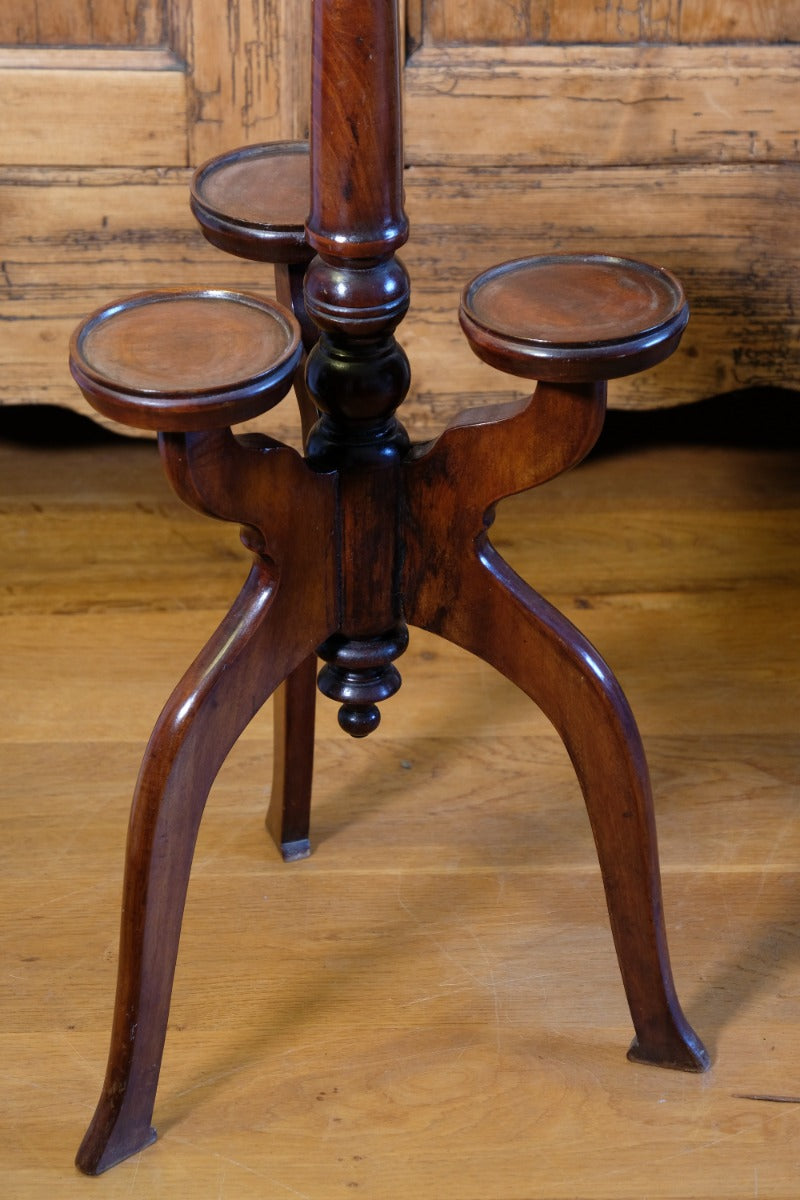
430	1005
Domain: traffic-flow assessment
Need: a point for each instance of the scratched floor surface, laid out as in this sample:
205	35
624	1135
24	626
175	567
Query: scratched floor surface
430	1005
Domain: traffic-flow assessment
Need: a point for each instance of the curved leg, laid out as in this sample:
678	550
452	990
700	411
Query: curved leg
288	816
256	646
499	618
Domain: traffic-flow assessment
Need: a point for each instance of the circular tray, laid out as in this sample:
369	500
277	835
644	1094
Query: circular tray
574	316
186	359
253	202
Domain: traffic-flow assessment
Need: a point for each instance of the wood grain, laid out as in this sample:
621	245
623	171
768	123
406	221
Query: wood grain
452	1025
247	71
592	106
81	22
138	101
661	131
652	21
740	333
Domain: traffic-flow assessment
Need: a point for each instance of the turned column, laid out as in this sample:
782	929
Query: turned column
357	292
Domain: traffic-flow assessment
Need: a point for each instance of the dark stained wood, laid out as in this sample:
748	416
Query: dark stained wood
253	202
356	130
288	816
260	642
365	532
356	291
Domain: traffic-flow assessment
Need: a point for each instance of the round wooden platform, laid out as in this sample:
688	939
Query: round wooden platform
573	317
253	202
175	361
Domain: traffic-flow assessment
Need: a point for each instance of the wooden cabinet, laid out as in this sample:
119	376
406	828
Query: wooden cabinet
107	108
658	129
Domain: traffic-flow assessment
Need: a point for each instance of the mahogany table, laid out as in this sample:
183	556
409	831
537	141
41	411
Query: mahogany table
364	534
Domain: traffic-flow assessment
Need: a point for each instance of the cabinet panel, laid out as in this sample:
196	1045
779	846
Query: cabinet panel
521	22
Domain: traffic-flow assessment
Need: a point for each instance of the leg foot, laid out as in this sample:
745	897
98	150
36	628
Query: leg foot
295	851
288	816
693	1055
102	1149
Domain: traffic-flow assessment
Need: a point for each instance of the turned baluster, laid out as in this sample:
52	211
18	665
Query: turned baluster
357	291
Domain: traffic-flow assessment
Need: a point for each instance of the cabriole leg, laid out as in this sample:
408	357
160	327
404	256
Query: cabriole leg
503	621
249	655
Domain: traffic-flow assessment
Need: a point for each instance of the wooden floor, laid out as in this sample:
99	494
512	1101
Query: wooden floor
430	1005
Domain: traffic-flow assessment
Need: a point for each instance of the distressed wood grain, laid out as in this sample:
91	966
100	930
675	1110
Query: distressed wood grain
589	106
116	232
653	21
82	23
683	153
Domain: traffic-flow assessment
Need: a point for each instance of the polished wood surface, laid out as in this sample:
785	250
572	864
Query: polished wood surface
356	134
498	617
574	317
574	300
253	201
429	1005
179	360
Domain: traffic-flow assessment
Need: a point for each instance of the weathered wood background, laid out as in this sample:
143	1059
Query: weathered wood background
658	130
